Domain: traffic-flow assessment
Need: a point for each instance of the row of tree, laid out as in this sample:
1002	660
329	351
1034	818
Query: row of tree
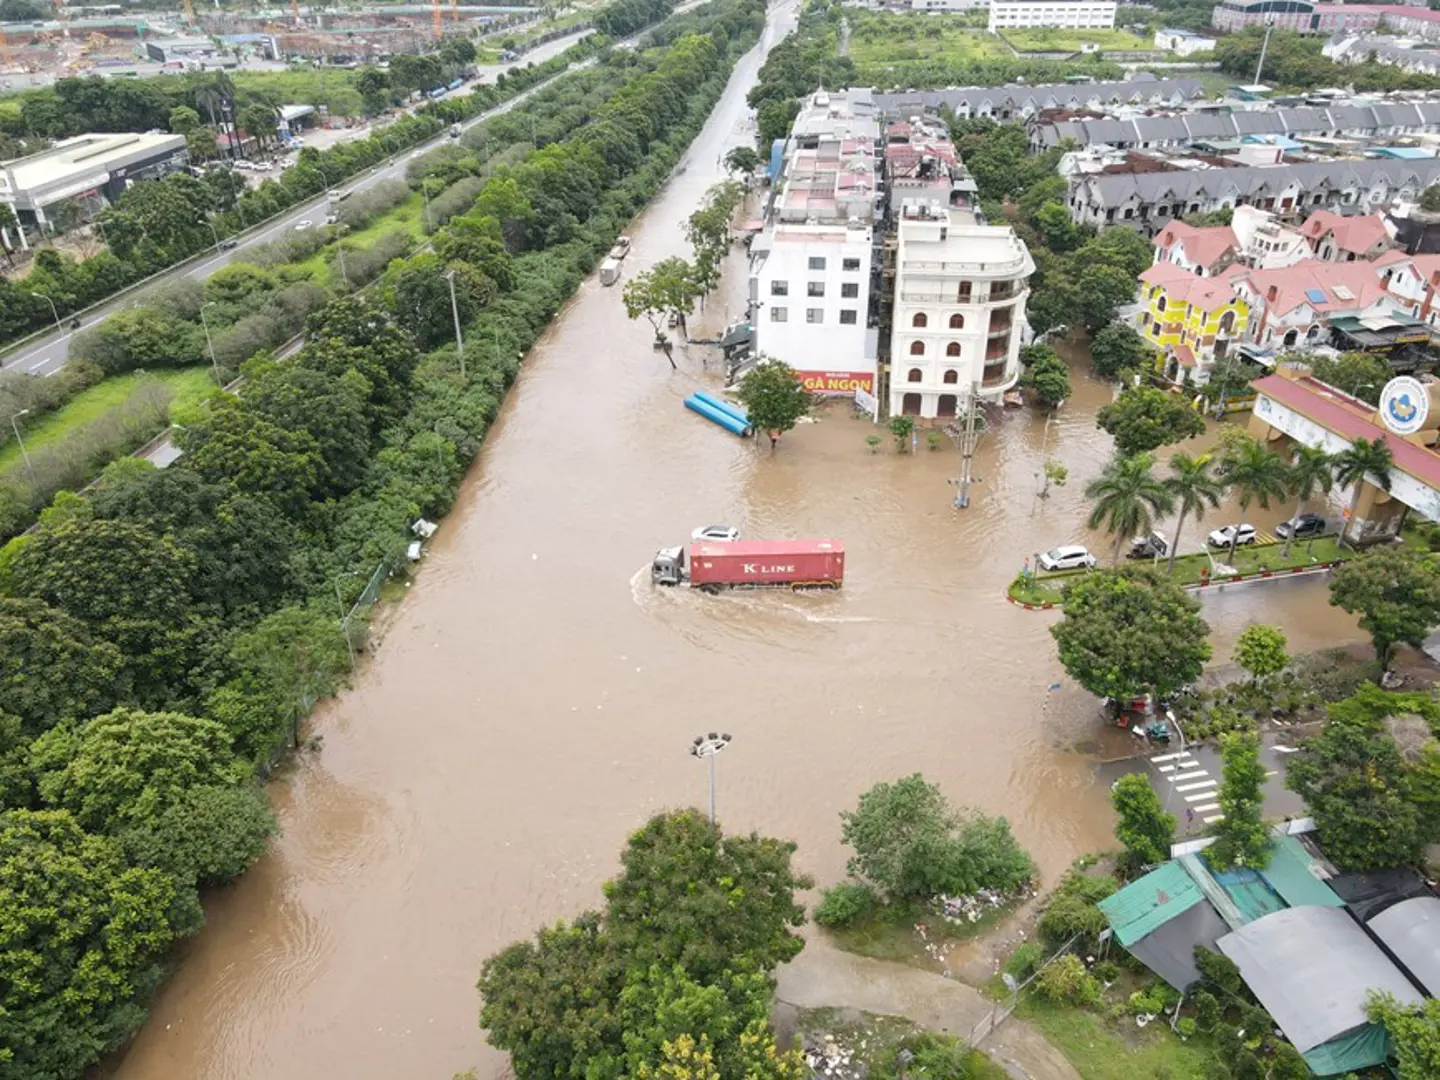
201	597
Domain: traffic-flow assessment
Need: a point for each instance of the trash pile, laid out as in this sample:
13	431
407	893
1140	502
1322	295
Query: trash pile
972	908
834	1059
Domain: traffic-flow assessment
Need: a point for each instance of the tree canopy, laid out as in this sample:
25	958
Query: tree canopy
774	397
1146	418
1395	591
1144	828
1128	632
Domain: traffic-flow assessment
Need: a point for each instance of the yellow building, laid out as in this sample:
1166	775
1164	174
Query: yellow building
1190	321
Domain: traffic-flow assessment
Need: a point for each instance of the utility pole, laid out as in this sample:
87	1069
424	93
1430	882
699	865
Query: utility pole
967	449
1264	45
455	311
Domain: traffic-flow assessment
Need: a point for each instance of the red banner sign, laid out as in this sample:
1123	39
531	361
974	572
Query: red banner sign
837	382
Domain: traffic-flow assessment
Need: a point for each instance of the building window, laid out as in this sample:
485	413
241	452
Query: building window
778	314
1160	304
916	374
814	315
815	288
953	349
965	292
817	262
917	348
847	317
920	320
850	290
850	264
951	376
957	322
779	288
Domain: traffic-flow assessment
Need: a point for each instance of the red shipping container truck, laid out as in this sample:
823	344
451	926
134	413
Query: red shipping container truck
795	564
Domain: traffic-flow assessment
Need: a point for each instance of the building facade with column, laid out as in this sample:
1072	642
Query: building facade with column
959	310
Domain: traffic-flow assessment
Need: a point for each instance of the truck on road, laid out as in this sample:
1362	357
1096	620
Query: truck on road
609	271
749	564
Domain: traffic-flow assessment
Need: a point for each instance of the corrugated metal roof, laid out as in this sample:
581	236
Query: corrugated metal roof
1293	874
1312	969
1150	902
1411	930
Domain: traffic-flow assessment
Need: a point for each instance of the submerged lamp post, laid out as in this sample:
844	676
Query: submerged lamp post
708	746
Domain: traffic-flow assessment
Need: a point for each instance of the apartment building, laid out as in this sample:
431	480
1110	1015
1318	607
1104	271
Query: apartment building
1306	17
812	267
1083	14
1151	200
1016	101
959	309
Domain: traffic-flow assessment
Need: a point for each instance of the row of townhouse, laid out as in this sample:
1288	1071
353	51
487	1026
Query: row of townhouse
1149	201
1256	239
1383	50
1015	102
1383	119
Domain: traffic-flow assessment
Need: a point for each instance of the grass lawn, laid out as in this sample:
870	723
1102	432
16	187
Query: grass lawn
890	934
1249	559
408	216
1071	39
898	39
189	385
1102	1052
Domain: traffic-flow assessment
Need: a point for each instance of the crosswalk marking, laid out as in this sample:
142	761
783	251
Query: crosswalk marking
1171	757
1200	796
1214	818
1191	764
1207	806
1195	786
1167	768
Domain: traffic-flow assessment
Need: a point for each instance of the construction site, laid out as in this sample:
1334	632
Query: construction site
104	40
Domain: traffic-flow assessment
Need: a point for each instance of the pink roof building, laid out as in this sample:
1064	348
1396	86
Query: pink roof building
1204	251
1336	238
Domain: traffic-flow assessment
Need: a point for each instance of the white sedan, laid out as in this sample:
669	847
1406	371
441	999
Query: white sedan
1236	534
1069	557
717	534
301	226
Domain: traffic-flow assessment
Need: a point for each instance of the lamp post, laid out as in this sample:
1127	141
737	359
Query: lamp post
209	344
340	232
211	226
455	313
53	310
425	190
344	620
708	746
25	456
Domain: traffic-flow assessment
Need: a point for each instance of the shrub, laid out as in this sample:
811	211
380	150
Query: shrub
1071	910
844	904
1024	960
1065	979
1186	1026
1145	1003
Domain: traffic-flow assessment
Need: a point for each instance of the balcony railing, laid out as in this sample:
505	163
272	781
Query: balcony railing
993	375
998	266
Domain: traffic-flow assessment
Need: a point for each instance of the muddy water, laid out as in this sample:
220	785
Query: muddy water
534	697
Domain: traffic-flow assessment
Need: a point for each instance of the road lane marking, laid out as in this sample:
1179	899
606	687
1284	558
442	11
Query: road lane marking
1171	757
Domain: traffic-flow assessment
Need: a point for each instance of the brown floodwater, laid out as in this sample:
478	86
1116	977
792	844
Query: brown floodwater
533	698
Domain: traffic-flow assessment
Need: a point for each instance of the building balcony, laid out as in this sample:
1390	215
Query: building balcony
1012	266
994	375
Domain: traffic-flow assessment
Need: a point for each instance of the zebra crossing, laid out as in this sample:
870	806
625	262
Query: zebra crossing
1189	779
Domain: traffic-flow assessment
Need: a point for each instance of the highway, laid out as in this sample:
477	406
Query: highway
47	355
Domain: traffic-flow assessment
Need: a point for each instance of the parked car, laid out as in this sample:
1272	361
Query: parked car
1148	547
1304	525
260	166
723	534
1237	534
1069	557
301	226
228	243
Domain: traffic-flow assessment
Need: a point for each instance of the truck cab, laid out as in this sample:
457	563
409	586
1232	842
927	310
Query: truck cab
668	567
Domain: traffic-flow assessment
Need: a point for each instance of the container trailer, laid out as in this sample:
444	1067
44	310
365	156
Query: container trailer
750	564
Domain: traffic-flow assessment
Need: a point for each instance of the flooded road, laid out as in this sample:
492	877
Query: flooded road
534	698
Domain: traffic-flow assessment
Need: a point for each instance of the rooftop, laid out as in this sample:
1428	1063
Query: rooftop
90	155
1203	246
1325	287
1356	235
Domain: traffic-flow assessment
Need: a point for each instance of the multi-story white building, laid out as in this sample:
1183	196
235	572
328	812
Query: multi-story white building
960	292
811	288
1083	14
811	268
948	5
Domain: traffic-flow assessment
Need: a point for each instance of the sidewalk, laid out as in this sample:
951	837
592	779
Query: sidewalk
823	976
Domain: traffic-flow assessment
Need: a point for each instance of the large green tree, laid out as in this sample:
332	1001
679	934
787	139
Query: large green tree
205	835
1143	826
1127	498
1117	349
1127	632
1312	473
1353	781
1255	474
1414	1034
82	943
1145	418
1241	838
667	288
1260	650
910	845
774	397
51	667
1395	591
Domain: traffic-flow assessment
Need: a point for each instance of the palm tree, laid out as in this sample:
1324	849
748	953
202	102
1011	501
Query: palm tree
1363	460
1256	474
1312	472
1192	485
1127	498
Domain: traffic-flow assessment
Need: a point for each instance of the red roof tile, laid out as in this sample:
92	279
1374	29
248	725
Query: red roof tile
1356	235
1204	247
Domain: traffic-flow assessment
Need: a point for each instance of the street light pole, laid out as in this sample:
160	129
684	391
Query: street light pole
340	603
23	453
53	310
425	190
455	312
209	344
709	746
211	226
